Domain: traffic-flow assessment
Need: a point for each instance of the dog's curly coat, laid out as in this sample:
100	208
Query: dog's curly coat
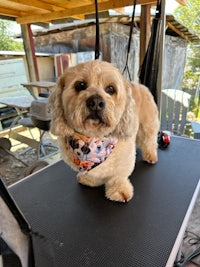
94	100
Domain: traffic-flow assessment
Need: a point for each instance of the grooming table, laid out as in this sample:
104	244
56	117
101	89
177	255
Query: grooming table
77	226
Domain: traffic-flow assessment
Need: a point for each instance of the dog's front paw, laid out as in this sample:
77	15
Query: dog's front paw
150	157
120	192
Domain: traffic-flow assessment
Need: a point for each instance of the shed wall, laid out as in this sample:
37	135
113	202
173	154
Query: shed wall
113	43
174	62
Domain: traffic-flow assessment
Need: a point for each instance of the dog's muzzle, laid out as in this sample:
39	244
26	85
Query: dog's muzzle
96	106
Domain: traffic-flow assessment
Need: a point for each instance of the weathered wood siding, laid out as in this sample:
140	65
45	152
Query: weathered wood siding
46	68
71	41
12	74
119	36
45	64
113	44
174	102
174	62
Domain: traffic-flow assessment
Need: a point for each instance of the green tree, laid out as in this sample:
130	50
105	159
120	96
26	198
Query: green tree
7	43
189	15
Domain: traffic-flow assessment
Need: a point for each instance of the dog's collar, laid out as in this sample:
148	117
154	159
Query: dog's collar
87	152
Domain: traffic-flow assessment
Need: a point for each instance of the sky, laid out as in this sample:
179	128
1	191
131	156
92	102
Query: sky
170	6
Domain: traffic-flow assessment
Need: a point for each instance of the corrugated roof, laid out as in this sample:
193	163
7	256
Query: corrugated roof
174	27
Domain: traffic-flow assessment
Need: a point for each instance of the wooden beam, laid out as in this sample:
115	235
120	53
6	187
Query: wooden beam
87	9
30	52
39	4
145	30
11	12
177	31
45	6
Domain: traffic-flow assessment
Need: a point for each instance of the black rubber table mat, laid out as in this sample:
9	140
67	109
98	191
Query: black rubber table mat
78	226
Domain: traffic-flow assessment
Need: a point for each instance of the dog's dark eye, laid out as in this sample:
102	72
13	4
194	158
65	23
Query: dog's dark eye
110	90
80	86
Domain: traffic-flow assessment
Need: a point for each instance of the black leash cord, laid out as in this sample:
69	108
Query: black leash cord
97	53
129	41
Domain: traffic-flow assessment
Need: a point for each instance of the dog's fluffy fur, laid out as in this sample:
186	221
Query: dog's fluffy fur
128	113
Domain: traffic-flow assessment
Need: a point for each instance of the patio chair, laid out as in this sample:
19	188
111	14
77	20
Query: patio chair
175	105
39	117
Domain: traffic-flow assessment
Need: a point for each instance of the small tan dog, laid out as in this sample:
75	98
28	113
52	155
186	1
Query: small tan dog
97	115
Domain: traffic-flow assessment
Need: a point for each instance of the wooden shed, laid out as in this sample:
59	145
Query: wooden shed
53	11
114	33
114	37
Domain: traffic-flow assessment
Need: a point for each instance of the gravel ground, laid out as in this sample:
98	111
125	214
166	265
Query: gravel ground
9	163
19	161
23	163
192	235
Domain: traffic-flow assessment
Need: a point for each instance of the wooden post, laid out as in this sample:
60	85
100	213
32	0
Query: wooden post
30	52
145	30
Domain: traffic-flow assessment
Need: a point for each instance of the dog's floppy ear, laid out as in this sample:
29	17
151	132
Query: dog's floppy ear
58	122
125	126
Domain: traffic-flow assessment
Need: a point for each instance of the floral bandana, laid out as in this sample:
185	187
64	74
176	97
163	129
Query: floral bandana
88	153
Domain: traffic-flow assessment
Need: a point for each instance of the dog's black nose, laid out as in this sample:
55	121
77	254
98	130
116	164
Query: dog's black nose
95	103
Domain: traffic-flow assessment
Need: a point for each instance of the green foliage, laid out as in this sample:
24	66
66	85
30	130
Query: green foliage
189	15
193	58
7	43
190	79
